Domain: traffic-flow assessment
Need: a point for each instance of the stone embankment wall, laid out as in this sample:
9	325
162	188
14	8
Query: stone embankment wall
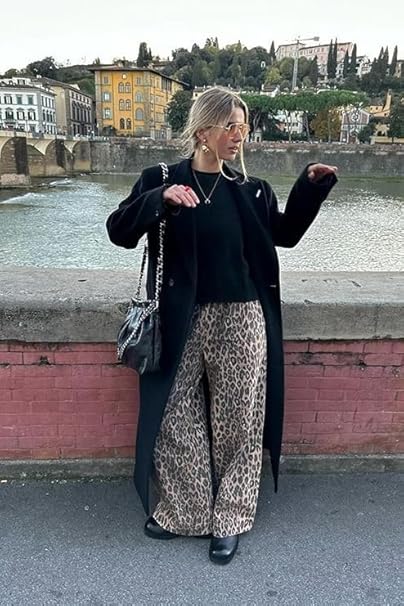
262	159
63	397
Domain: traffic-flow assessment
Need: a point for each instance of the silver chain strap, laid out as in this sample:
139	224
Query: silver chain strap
154	303
159	268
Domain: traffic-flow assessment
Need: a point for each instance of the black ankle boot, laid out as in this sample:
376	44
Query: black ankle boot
155	531
222	549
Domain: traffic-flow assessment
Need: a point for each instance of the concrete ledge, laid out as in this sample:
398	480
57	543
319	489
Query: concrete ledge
69	469
76	305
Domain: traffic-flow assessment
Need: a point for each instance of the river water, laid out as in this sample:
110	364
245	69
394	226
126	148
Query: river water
359	228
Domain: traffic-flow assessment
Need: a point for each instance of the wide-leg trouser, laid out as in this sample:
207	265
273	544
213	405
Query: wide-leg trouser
211	486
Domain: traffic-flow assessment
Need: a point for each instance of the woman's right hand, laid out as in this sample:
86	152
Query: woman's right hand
180	195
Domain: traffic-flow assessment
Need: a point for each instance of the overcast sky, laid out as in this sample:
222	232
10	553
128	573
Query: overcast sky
79	31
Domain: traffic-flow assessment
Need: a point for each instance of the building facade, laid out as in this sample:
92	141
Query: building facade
320	51
74	108
352	122
27	107
133	101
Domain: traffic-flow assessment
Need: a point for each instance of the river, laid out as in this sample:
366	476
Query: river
359	228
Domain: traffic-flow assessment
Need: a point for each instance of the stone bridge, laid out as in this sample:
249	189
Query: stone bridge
22	158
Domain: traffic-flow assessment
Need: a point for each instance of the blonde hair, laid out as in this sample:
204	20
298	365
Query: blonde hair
213	106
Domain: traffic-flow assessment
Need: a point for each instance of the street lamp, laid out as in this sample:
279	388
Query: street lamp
296	58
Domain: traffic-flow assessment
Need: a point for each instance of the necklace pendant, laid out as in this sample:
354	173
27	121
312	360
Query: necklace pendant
208	201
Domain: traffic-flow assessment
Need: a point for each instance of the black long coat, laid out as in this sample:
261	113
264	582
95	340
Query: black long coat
264	227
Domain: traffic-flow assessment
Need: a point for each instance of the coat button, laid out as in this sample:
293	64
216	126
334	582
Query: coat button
273	286
157	213
171	282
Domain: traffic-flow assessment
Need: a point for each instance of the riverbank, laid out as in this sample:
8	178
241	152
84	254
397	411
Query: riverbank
126	155
21	159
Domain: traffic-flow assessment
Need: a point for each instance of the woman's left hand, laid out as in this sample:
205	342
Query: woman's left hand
315	172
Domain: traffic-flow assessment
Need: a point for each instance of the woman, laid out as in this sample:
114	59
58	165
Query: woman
218	398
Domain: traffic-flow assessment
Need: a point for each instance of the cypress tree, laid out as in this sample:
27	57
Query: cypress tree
330	61
346	65
393	64
352	65
335	58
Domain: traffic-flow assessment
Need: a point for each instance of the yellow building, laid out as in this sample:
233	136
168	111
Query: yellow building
381	113
133	101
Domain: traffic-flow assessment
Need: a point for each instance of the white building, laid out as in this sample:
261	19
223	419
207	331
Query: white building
26	107
290	122
319	50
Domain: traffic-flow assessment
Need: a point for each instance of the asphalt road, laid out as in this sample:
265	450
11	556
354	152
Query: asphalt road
323	540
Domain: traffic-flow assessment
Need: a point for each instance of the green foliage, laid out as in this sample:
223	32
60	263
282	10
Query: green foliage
397	119
332	61
352	64
11	73
365	134
46	68
327	125
393	63
346	65
144	56
178	109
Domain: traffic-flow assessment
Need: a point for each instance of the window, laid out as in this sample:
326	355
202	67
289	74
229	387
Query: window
121	87
31	115
9	114
122	124
139	98
106	80
107	113
20	114
19	99
138	80
139	114
127	87
128	124
30	100
106	96
121	104
8	99
128	104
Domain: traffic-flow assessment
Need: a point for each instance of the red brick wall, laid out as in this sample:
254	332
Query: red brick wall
72	400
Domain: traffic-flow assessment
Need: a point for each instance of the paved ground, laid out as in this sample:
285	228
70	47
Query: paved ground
321	541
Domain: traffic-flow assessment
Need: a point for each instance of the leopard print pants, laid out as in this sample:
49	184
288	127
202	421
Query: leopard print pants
211	485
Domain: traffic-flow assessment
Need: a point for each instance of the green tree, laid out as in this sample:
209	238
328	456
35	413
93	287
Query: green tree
286	68
46	68
272	53
327	125
144	55
313	72
335	58
11	73
346	65
178	109
396	129
200	73
352	64
393	64
273	76
330	62
365	133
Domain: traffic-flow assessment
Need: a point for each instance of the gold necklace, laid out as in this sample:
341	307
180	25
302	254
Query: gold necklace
206	198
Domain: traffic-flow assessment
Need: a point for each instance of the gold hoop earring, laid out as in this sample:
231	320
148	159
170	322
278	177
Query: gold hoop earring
204	147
